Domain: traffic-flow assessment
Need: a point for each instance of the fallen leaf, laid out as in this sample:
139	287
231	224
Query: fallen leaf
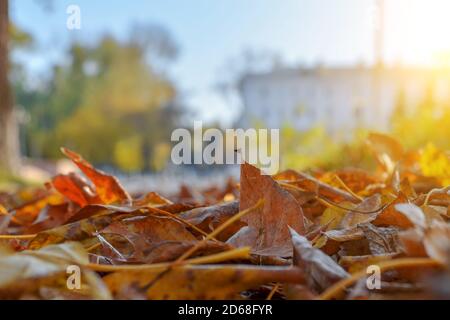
27	271
411	242
188	282
314	185
413	213
209	218
75	188
27	213
147	234
390	216
267	231
323	271
388	150
152	199
79	230
51	216
437	242
107	187
365	212
381	240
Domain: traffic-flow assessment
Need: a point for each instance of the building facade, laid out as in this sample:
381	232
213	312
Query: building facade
340	99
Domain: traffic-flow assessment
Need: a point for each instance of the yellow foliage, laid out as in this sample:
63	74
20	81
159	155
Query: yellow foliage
90	132
435	163
161	155
128	154
316	148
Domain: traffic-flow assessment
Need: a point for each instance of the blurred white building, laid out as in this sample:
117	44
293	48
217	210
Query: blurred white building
340	99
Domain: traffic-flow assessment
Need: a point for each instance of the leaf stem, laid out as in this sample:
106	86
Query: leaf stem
214	233
17	236
187	223
240	253
221	228
346	188
272	292
327	202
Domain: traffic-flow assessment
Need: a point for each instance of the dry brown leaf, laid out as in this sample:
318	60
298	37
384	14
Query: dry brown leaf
108	188
413	213
188	282
75	188
80	230
437	242
381	240
390	216
323	271
27	271
27	213
209	218
314	185
364	212
140	244
267	231
152	199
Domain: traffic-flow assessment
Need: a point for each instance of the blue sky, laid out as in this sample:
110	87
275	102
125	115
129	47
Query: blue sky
210	32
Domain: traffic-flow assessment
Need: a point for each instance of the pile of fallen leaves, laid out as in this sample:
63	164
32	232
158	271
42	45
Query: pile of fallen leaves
289	236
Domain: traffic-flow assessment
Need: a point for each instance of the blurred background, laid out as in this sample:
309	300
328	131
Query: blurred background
113	83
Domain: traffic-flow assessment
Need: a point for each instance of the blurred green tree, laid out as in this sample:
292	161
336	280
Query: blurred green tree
112	102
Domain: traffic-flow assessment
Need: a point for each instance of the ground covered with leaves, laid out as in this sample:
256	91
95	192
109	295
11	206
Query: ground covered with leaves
289	236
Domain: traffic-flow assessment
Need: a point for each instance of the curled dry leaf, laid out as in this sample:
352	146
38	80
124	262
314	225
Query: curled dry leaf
51	216
323	271
390	216
429	237
27	213
413	213
75	189
267	231
107	187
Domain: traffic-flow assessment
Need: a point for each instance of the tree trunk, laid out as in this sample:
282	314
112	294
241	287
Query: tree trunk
9	144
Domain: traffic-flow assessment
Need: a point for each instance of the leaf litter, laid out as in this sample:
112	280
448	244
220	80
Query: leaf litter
294	235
